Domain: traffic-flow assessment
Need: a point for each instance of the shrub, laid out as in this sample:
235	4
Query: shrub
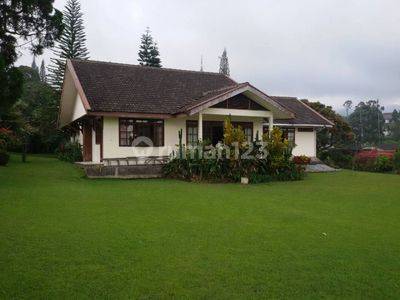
9	138
374	161
384	164
396	161
262	164
337	158
301	160
71	152
5	140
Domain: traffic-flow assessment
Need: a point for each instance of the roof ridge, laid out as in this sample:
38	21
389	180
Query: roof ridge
287	97
220	90
148	67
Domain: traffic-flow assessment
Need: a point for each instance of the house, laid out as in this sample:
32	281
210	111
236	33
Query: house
387	117
119	110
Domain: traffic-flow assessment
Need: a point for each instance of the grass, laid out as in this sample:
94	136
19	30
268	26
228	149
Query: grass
332	235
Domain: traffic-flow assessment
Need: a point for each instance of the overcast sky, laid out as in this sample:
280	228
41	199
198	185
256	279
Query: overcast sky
329	50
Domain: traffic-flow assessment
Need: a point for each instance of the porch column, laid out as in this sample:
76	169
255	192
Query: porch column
200	128
270	123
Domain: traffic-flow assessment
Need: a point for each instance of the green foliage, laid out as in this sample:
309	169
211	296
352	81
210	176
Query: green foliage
339	136
5	140
33	22
384	164
368	123
379	164
394	126
273	162
224	64
396	161
148	51
337	157
4	158
34	66
71	45
11	81
42	72
233	135
70	152
34	116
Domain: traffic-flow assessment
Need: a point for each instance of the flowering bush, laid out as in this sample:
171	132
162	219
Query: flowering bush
396	161
301	160
374	161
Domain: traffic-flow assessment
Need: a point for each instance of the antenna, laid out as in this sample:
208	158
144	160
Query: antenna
201	64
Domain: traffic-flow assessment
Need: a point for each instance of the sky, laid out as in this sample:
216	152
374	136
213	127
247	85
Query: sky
326	50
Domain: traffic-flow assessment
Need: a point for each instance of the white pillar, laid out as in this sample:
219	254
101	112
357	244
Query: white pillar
270	123
200	128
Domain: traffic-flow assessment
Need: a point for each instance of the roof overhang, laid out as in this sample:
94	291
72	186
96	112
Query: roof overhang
74	103
301	125
130	115
248	90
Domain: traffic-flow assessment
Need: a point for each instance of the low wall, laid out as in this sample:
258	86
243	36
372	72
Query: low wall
136	171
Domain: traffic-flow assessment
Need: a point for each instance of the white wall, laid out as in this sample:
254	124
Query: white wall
306	143
95	148
111	148
78	110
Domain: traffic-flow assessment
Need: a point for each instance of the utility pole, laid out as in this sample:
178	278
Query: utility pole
361	129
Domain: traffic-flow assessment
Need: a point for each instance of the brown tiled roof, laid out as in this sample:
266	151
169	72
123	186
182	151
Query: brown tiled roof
113	87
304	114
123	88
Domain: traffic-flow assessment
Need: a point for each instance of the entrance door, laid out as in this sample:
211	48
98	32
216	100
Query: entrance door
213	131
87	142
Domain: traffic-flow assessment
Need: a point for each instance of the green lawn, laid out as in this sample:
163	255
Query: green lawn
61	235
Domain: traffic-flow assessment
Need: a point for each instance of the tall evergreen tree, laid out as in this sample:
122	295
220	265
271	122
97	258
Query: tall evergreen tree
34	65
224	64
42	72
72	43
148	51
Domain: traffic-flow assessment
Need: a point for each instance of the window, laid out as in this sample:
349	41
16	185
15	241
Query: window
247	128
239	102
192	132
289	134
130	129
305	129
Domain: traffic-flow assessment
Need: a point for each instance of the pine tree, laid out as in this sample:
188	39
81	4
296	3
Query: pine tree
148	51
72	43
42	72
224	64
34	65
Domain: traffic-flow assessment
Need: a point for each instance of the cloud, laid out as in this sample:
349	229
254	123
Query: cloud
331	50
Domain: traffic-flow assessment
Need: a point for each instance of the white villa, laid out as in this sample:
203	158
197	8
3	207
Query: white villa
112	104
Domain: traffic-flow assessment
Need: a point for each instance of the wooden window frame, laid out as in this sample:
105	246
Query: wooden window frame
285	134
191	123
305	129
135	121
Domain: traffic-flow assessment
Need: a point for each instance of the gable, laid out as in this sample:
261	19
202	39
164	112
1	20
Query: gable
239	101
72	105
